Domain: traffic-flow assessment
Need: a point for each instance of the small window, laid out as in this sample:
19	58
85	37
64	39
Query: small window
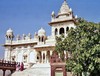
61	31
67	29
42	38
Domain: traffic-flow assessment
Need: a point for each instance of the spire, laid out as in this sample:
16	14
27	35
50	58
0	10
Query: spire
64	8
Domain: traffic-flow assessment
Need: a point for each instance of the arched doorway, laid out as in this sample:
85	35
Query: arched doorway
20	58
32	57
39	57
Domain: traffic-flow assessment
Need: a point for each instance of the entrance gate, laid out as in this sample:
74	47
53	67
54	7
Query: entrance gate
57	65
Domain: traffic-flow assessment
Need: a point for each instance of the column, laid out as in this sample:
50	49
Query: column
42	56
16	53
58	32
45	56
22	54
4	72
28	55
50	53
6	54
53	31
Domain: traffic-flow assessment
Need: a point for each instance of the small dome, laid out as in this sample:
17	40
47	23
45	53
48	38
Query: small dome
41	32
9	33
9	30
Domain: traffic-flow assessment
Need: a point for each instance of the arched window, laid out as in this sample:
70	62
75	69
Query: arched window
42	38
67	29
56	31
61	31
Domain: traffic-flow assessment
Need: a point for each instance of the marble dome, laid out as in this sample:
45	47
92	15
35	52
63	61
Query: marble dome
41	32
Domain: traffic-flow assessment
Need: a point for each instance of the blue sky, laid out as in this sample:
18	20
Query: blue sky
28	16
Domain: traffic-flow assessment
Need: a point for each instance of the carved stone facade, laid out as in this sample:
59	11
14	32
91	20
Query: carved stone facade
39	48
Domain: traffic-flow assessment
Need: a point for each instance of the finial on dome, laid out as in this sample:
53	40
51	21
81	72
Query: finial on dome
23	37
29	35
18	37
53	13
41	32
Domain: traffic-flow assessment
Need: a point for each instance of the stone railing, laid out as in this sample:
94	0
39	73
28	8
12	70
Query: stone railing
5	64
21	41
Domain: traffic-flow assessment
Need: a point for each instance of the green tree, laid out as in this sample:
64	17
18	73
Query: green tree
84	45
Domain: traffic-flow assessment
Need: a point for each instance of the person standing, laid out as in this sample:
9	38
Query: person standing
21	66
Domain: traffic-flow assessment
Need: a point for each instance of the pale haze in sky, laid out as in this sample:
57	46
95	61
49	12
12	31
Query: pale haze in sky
28	16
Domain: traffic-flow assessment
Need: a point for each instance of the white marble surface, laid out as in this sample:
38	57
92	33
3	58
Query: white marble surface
36	70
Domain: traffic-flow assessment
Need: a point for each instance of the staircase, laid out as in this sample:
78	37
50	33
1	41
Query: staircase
38	69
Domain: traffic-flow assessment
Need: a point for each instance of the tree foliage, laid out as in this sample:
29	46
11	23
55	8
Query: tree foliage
84	45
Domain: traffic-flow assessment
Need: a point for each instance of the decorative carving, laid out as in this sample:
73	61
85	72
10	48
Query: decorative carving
57	64
23	36
18	37
29	36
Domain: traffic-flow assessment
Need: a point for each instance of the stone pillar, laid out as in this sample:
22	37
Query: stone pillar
22	55
8	53
50	53
53	31
42	56
28	56
4	72
16	53
58	32
45	56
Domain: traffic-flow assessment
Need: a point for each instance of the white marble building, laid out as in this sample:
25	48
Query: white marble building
39	48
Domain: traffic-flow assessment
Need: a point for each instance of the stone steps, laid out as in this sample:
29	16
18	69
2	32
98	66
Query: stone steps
35	70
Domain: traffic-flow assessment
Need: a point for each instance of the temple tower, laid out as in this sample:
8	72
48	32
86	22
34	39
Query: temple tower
63	21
